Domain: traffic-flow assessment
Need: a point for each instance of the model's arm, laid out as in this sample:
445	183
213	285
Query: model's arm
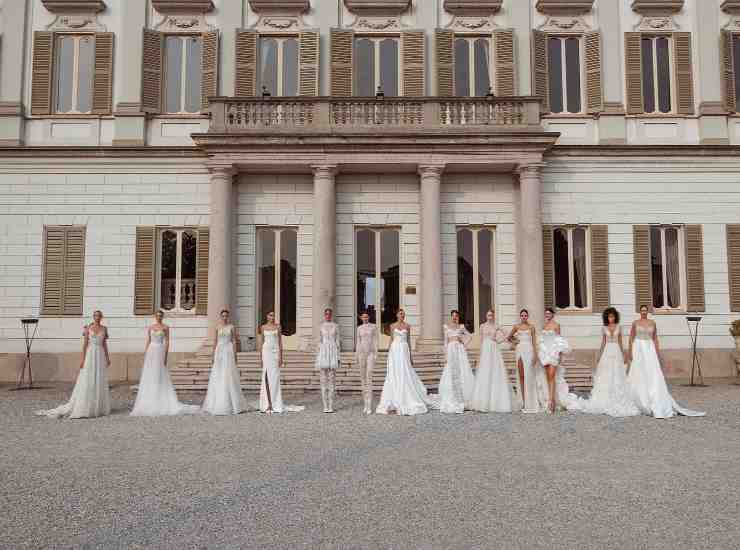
603	342
411	353
535	343
280	346
510	337
632	341
105	347
374	342
166	344
657	344
466	337
235	339
85	341
148	339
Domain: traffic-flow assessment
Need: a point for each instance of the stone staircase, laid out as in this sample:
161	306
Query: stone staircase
298	374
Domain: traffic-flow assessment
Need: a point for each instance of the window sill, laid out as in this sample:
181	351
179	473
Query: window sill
71	116
677	312
568	312
578	116
186	116
660	116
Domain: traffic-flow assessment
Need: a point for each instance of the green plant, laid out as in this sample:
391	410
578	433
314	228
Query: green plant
735	328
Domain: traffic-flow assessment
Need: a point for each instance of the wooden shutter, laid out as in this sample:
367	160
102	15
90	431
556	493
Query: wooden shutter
599	267
245	83
444	45
733	265
633	72
727	67
103	74
42	72
151	94
74	271
540	72
694	268
201	271
503	46
412	54
594	92
548	259
209	67
146	238
641	258
684	73
341	52
309	63
64	271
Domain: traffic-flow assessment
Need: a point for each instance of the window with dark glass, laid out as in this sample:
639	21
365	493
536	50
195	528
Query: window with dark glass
656	74
571	259
182	78
666	262
564	63
278	66
73	67
475	272
277	277
376	66
177	265
472	66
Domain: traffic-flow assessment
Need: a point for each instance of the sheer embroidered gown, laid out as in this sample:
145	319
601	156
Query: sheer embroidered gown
91	396
403	391
551	345
646	381
365	355
327	361
529	395
224	395
270	384
492	391
457	382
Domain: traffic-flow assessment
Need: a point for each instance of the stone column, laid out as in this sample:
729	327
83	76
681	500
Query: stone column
129	126
520	18
713	128
612	122
432	314
531	277
12	59
220	246
324	241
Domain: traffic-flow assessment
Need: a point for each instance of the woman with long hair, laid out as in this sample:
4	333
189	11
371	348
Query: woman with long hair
457	382
270	346
224	395
523	336
328	358
492	392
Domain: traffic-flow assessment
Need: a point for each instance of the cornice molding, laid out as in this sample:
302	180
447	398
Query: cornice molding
731	6
565	7
73	6
473	8
280	6
653	8
377	7
179	7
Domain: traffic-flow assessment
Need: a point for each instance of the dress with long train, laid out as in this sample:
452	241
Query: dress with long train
492	391
529	395
91	396
403	391
458	382
270	384
646	381
156	395
224	395
550	346
610	394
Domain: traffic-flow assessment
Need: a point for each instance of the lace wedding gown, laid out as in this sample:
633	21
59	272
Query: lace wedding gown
457	382
492	392
610	394
156	395
270	384
529	395
224	395
646	381
91	396
403	391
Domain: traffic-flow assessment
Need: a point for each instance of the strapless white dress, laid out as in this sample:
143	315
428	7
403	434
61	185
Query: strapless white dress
224	395
270	382
403	391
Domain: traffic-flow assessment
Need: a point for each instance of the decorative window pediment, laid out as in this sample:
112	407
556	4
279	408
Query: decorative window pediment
177	7
474	8
565	7
377	7
75	15
654	8
280	6
731	7
74	6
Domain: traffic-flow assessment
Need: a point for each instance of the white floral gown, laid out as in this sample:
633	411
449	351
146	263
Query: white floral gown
550	346
492	391
327	356
270	382
403	391
224	395
458	382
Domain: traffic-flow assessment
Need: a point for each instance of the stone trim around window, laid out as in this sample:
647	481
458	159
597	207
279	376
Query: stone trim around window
377	7
565	7
182	7
74	6
656	8
479	8
280	6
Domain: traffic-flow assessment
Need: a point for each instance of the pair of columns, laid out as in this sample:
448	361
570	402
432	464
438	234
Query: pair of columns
529	249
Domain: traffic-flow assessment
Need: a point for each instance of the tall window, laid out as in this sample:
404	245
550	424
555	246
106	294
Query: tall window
278	70
475	269
73	68
564	62
472	66
183	73
656	74
667	262
571	251
277	276
177	265
736	67
376	66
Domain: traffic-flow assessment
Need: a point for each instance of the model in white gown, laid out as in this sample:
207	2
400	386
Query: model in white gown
365	354
523	335
328	358
224	395
492	392
91	396
458	382
645	379
553	393
271	395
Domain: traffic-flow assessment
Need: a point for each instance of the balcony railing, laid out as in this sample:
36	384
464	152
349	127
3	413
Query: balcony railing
359	114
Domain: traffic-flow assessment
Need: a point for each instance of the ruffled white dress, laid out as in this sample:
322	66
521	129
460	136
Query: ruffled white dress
492	392
458	382
224	395
270	384
403	391
550	346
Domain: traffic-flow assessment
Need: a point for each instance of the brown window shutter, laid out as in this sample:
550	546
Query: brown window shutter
309	63
548	257
52	286
540	71
341	52
42	72
151	94
727	67
74	271
594	92
103	74
641	258
503	46
444	42
246	63
733	265
599	267
201	272
695	300
633	72
146	240
209	68
684	73
412	51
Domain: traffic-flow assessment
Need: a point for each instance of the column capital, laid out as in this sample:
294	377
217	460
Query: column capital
530	170
221	169
431	170
324	170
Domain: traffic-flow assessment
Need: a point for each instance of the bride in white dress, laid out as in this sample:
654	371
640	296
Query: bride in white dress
610	394
224	395
645	378
156	395
91	395
271	355
492	391
523	335
553	389
457	382
403	391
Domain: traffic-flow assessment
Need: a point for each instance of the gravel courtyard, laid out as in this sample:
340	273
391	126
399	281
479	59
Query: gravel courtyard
311	480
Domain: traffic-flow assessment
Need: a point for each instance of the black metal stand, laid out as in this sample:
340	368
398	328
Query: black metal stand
695	359
29	336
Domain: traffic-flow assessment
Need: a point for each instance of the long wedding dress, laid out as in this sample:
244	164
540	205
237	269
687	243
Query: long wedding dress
403	391
224	395
492	391
646	381
270	391
529	395
458	382
91	396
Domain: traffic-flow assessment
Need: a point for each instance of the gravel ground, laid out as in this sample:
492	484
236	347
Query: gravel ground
310	480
